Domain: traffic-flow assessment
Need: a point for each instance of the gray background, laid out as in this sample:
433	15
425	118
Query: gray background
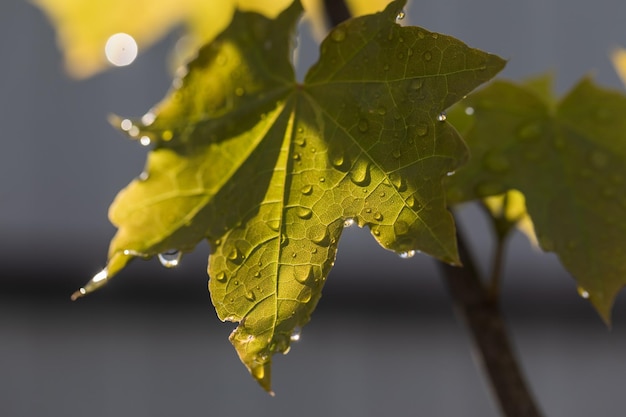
384	340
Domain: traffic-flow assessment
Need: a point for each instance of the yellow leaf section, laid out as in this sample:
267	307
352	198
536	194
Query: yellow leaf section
83	27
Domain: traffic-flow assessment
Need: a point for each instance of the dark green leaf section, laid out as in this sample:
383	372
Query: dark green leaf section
269	170
569	160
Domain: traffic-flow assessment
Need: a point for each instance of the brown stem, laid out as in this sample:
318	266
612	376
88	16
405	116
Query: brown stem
483	318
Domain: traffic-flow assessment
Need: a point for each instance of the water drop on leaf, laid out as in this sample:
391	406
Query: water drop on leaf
441	117
583	293
407	254
348	222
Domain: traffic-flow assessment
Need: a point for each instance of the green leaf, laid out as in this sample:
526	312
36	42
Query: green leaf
268	170
569	160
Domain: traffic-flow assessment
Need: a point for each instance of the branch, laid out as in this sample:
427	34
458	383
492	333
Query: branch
482	316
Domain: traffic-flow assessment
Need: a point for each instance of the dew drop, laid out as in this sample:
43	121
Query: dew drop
305	295
338	35
408	254
442	117
376	232
304	212
348	222
583	293
145	141
397	181
274	225
413	203
295	335
297	156
469	111
378	216
257	274
427	56
235	256
363	125
250	296
221	276
396	153
303	274
322	179
306	190
318	234
360	173
170	258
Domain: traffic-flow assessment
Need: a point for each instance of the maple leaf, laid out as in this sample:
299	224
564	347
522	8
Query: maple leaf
568	158
270	170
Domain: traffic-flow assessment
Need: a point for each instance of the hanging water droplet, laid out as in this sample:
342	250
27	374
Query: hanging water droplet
401	15
338	35
306	189
441	117
348	222
145	141
407	254
170	258
583	293
221	276
295	335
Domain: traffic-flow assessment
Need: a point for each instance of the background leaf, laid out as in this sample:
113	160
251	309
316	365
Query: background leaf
270	171
569	160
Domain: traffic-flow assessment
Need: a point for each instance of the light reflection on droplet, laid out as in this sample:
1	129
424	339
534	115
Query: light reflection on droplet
148	118
126	125
295	335
171	258
469	111
121	49
145	141
348	223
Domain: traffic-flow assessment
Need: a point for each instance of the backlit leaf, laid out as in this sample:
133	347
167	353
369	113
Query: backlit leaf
569	160
270	170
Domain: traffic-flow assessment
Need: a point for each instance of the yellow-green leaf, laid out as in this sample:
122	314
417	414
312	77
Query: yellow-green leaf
270	171
569	160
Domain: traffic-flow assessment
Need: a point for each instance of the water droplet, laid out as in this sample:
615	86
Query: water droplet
318	234
145	141
250	295
297	156
450	173
363	125
360	173
378	216
469	111
304	274
257	274
221	276
599	159
427	56
407	254
401	228
396	153
401	15
235	255
133	131
397	181
583	293
274	225
413	203
304	212
348	222
126	125
170	258
338	35
322	179
144	176
300	141
496	162
306	190
376	232
305	295
441	117
295	335
338	159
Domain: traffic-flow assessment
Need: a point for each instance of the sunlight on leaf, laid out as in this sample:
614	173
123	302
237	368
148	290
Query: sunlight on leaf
270	171
569	160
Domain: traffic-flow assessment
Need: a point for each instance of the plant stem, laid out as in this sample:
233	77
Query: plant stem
337	12
482	316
